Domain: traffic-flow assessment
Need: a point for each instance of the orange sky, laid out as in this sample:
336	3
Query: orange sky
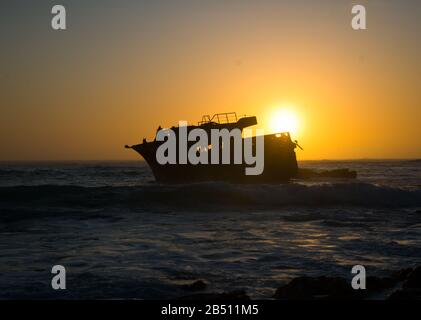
118	73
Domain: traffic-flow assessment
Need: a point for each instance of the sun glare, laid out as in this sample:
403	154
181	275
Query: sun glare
283	120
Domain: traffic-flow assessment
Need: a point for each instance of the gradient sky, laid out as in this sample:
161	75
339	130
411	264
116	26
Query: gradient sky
124	67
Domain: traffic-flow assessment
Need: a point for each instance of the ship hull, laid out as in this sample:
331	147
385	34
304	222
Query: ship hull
280	164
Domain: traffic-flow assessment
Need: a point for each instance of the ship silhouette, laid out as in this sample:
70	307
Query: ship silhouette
280	162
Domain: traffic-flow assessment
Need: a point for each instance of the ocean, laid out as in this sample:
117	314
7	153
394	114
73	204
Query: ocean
120	235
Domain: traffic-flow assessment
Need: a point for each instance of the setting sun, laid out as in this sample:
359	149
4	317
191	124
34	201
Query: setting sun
283	120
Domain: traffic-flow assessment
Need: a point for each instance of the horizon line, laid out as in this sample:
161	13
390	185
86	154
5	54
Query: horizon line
143	160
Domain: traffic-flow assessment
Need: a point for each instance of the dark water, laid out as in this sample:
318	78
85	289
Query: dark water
121	235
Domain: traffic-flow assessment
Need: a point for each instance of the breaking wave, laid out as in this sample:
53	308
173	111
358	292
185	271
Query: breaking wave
208	196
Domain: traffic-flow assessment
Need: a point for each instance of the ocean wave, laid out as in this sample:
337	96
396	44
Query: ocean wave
209	196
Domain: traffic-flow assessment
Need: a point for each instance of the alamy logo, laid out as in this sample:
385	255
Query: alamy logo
58	22
222	147
59	280
358	281
359	20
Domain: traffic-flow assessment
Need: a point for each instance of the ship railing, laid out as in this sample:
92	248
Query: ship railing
220	118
